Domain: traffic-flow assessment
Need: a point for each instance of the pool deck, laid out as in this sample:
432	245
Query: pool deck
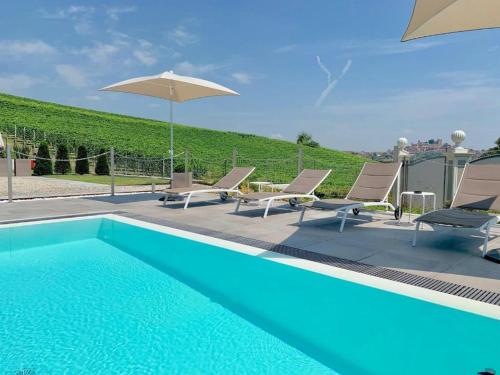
371	239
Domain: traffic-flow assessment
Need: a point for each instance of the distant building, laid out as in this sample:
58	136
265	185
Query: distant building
432	145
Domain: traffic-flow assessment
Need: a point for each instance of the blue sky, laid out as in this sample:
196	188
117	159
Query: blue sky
277	54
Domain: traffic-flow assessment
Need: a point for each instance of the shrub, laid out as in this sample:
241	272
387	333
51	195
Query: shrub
82	163
62	165
102	166
21	152
42	166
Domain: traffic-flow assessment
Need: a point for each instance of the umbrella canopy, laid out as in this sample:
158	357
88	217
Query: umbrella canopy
171	86
174	88
434	17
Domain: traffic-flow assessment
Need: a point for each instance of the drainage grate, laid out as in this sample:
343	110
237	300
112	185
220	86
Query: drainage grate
382	272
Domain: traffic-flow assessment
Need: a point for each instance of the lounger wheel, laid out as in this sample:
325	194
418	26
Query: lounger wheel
223	196
398	212
293	202
355	211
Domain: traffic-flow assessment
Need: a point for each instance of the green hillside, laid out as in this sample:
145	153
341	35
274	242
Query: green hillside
276	159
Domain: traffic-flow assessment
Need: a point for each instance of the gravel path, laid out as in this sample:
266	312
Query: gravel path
39	187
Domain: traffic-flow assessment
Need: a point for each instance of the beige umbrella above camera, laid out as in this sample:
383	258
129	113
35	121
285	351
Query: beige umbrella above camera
434	17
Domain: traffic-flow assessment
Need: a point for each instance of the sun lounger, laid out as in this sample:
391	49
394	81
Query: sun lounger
228	184
371	188
479	190
302	186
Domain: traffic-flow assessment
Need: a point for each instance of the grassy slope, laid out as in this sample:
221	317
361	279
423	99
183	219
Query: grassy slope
150	137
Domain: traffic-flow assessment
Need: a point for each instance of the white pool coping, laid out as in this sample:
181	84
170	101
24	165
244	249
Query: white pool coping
428	295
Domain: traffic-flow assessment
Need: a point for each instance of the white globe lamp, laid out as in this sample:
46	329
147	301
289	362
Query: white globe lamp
402	143
458	136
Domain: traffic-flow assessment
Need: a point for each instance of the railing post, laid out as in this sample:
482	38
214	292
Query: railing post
186	161
235	157
112	161
9	173
300	161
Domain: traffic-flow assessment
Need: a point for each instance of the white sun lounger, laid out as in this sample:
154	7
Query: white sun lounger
372	188
479	189
302	186
228	184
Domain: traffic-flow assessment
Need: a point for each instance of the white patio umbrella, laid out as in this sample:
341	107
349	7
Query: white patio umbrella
174	88
434	17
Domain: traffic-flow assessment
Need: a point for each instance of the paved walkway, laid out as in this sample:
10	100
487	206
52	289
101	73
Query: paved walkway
39	187
371	239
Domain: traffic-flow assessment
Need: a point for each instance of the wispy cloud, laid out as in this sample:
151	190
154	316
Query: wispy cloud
145	57
375	47
330	82
284	49
67	12
72	75
80	15
93	98
182	36
14	48
466	78
242	77
99	53
15	82
185	67
115	12
363	47
425	107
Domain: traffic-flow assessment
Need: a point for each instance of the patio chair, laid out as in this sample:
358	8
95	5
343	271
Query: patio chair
479	190
302	186
372	188
227	184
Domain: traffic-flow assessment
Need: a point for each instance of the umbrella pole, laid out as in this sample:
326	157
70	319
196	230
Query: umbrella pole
171	144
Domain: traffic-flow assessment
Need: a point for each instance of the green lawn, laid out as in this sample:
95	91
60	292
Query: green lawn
106	180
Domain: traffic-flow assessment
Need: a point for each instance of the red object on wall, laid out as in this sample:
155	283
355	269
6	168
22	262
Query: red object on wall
33	162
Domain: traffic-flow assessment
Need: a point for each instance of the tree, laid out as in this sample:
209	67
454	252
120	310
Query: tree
306	140
102	166
62	165
43	163
494	150
82	163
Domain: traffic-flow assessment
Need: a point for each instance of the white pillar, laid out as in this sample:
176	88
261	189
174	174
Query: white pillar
112	162
399	155
9	173
457	158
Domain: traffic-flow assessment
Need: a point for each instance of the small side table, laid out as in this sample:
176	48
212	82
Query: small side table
423	195
278	187
260	184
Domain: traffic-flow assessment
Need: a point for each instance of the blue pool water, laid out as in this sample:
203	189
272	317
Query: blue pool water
99	296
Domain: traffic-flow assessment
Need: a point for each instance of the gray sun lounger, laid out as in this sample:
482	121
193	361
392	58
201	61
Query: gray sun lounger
228	184
372	188
479	190
302	186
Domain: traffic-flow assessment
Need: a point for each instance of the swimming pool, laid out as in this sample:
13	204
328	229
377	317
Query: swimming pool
118	296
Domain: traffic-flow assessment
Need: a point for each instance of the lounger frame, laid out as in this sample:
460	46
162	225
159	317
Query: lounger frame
483	229
188	194
285	196
344	210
